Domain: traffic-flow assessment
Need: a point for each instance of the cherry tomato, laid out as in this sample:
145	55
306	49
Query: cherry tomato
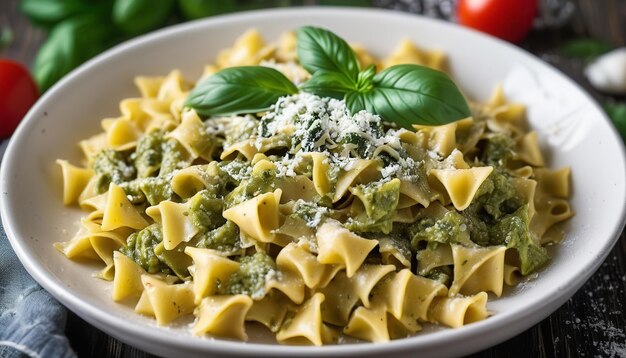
18	92
509	20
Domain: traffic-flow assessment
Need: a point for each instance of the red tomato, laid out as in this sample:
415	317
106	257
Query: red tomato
507	19
18	92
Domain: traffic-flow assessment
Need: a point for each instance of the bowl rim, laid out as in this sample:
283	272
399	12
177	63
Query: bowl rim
129	332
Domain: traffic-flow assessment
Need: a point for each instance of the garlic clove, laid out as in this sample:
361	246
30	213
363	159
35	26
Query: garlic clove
608	72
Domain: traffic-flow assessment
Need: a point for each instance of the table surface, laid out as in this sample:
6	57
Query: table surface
591	324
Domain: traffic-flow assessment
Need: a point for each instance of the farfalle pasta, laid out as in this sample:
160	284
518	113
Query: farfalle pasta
306	218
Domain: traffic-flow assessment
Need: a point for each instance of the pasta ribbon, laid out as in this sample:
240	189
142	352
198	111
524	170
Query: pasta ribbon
223	316
477	269
210	269
258	217
306	326
342	247
175	221
458	311
75	180
119	212
127	279
297	259
369	324
462	184
166	302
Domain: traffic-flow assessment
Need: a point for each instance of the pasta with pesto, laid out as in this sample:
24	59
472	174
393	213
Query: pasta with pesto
306	218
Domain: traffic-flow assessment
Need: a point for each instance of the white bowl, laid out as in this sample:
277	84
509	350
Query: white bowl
573	130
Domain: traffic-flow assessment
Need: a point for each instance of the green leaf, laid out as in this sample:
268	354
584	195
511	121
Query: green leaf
322	50
197	9
380	200
411	94
47	13
136	17
235	90
71	43
514	232
6	37
617	113
364	80
329	84
585	48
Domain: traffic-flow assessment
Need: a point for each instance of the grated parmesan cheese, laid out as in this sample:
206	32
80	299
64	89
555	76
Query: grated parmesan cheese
325	125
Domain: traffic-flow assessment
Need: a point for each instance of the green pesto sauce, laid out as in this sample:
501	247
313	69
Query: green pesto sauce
145	174
145	247
133	191
252	275
111	166
380	200
157	189
152	189
451	228
224	238
361	145
234	171
399	243
358	142
305	140
217	185
498	149
418	175
311	213
205	211
175	259
477	227
497	195
514	232
140	248
511	230
174	157
226	176
149	154
442	274
259	183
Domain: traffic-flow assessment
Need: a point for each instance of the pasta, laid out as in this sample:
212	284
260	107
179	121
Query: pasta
311	220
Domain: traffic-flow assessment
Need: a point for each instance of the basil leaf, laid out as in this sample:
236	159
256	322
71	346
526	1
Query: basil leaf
321	50
47	13
136	17
364	80
71	42
329	84
197	9
235	90
585	48
411	94
6	37
336	85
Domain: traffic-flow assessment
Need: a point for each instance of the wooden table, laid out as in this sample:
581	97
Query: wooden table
590	324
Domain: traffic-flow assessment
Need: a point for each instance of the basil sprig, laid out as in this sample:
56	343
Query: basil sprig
411	94
321	50
235	90
404	94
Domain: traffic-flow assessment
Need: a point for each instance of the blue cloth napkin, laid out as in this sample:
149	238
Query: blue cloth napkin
31	321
